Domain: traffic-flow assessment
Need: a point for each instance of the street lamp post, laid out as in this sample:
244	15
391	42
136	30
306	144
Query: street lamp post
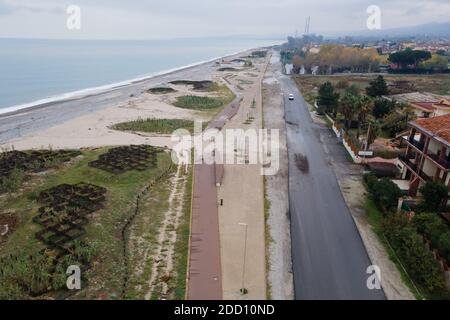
243	289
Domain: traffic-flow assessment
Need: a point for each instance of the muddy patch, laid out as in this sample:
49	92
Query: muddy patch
291	123
301	161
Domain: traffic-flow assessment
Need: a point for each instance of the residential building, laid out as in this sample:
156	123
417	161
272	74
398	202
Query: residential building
424	105
427	156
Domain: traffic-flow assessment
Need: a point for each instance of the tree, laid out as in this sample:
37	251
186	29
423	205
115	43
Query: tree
382	107
436	63
328	98
385	194
373	132
348	106
409	246
409	58
377	87
435	196
365	105
394	123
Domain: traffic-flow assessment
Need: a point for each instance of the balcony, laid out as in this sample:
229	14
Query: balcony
444	163
416	144
406	159
424	176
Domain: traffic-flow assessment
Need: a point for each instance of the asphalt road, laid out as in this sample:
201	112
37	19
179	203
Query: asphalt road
329	258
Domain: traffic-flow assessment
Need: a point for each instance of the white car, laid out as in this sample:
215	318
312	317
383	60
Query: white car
291	97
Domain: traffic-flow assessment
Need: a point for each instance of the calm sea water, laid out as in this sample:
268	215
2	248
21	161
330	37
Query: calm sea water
36	69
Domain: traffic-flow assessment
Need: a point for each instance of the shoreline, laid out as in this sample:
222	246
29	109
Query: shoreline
85	121
107	88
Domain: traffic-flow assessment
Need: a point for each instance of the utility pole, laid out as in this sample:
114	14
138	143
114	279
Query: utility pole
243	289
307	25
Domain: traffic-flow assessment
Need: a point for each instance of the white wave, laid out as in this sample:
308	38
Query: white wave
105	88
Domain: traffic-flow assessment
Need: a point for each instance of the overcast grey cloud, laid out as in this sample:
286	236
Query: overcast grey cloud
157	19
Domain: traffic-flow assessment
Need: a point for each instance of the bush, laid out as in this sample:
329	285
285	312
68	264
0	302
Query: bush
198	102
161	126
12	182
385	194
369	180
435	230
434	195
410	248
444	246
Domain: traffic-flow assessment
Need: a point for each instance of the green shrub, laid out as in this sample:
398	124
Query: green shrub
198	102
385	194
161	126
430	225
410	248
12	182
369	180
444	246
436	230
434	195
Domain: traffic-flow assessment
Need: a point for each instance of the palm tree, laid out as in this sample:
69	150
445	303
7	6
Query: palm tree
373	132
348	107
365	106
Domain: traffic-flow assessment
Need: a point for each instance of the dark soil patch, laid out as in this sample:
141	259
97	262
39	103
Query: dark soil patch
122	159
382	169
161	90
33	161
64	213
8	223
227	69
204	85
301	161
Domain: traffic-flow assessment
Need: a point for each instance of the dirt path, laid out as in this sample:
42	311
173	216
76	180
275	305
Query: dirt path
280	280
163	255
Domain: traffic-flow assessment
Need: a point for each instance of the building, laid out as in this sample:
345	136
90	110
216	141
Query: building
427	156
431	109
424	105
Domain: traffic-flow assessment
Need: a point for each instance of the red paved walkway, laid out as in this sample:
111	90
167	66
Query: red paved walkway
205	275
205	281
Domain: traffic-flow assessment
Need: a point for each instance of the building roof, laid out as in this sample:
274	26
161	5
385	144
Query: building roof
437	127
444	103
426	106
416	97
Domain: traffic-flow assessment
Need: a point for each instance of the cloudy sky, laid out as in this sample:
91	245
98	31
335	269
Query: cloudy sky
158	19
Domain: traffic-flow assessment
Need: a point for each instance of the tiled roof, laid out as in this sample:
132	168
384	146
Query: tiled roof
438	127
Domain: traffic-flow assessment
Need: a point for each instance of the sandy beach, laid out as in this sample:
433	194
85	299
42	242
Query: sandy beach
85	122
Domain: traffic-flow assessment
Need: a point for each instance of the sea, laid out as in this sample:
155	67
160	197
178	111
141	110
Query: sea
35	71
